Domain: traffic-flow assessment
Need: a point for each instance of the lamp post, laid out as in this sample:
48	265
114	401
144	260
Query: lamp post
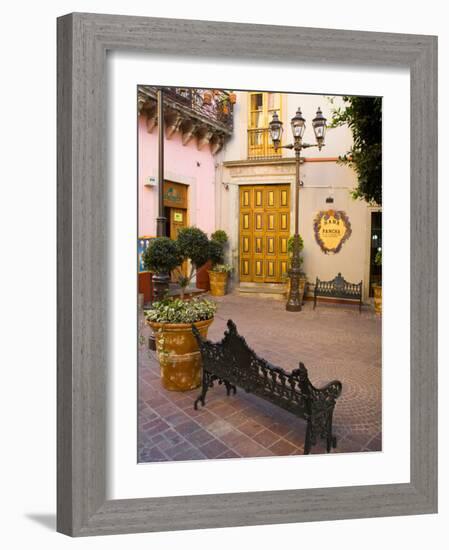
161	281
298	125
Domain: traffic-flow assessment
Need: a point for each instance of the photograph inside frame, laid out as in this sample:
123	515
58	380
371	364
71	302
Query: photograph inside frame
259	254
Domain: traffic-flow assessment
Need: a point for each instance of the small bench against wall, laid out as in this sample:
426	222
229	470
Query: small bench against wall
233	363
338	287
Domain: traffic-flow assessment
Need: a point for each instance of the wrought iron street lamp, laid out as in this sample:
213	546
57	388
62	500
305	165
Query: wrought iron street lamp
161	281
298	124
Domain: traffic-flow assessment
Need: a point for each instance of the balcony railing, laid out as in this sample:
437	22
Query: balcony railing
212	104
260	145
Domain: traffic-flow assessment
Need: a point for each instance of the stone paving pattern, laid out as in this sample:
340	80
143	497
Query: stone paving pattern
334	342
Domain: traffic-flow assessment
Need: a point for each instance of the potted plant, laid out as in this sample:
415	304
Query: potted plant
177	350
202	273
218	274
302	278
193	245
377	287
161	257
219	279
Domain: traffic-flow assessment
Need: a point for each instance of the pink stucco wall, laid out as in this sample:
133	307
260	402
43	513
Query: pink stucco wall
183	164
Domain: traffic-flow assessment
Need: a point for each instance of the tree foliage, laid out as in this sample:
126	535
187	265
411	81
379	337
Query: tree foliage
216	252
363	115
162	255
193	245
220	236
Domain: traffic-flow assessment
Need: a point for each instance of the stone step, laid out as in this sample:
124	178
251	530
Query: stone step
259	288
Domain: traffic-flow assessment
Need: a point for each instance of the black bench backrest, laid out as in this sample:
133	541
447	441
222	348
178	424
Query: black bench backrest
338	287
234	361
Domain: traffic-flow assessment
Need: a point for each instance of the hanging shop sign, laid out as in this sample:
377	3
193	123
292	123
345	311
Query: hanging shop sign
175	195
332	228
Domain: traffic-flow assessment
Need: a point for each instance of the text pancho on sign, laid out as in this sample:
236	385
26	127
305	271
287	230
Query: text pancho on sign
332	228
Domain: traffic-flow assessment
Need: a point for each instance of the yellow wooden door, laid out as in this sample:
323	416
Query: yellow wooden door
178	220
264	227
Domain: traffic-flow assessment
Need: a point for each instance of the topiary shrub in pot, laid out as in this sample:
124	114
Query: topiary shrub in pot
215	255
220	236
219	272
193	245
161	257
177	349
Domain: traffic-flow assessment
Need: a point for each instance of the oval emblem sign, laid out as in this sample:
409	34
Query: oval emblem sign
332	229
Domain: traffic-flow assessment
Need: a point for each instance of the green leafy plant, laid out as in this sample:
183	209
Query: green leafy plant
290	242
378	258
363	115
193	245
220	236
162	255
222	268
218	245
181	311
216	252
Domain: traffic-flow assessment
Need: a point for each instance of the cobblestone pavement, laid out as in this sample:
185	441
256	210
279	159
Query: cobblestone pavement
334	342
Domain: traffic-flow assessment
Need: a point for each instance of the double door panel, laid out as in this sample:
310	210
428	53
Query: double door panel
264	231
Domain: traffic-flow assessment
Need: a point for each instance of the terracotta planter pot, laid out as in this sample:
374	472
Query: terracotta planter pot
202	276
178	354
218	282
377	299
233	98
207	98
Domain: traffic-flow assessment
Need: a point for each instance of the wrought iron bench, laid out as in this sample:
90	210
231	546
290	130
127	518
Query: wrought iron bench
233	363
338	288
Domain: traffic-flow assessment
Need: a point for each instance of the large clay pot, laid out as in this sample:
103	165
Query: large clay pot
377	299
202	276
178	354
218	280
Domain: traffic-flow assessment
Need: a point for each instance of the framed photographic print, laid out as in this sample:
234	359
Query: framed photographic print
246	274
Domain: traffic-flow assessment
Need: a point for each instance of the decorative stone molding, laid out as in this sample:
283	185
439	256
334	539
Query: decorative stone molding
216	143
147	107
182	112
188	128
203	135
173	120
141	100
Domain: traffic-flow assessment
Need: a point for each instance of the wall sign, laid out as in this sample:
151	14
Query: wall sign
332	228
175	195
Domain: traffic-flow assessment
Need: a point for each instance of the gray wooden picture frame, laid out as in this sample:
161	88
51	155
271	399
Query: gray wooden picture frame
83	40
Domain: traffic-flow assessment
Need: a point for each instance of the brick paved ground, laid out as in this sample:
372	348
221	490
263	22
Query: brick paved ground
334	342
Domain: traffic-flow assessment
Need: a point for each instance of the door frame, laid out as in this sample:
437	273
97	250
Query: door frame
366	275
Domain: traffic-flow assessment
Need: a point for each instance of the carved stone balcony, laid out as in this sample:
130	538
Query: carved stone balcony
204	115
